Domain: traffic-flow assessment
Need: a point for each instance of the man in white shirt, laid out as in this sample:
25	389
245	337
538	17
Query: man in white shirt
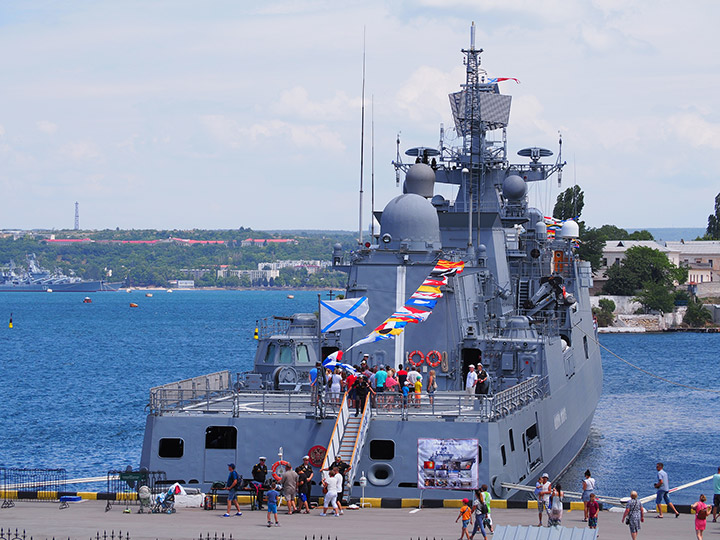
470	380
543	489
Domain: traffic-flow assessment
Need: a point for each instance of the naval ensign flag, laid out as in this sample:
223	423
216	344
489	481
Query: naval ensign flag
345	313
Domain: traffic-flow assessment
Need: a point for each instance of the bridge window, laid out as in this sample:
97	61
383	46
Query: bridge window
171	448
221	437
302	354
286	356
382	449
270	354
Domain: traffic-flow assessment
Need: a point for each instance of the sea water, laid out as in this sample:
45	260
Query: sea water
75	380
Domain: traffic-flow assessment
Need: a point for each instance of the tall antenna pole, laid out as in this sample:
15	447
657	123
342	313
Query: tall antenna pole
372	167
362	146
77	216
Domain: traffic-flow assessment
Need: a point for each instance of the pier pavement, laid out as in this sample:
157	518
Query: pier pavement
41	520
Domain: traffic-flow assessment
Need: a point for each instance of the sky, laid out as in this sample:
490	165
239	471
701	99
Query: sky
230	113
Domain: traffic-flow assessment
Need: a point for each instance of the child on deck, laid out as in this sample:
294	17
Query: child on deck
272	502
418	391
466	515
593	509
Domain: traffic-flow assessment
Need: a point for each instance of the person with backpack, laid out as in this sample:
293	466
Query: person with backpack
481	510
701	515
233	485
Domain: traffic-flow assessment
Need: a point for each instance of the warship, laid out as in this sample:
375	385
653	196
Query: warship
516	300
38	279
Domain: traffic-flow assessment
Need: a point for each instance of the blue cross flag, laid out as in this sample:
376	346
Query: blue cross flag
345	313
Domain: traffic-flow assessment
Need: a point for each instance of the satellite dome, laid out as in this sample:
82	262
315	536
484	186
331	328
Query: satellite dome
570	229
411	219
420	179
514	188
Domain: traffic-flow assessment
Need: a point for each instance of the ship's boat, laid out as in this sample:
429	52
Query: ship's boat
517	303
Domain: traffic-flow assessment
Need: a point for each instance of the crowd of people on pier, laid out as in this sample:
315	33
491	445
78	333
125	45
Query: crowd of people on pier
293	486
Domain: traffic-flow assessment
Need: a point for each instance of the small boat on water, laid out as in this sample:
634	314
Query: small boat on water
87	300
169	290
291	296
132	304
149	295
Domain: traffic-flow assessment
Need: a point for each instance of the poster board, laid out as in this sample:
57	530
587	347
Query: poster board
448	464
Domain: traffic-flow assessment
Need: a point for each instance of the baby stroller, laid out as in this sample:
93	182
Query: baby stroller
165	502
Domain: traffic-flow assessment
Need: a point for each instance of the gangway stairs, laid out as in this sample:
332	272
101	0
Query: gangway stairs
347	441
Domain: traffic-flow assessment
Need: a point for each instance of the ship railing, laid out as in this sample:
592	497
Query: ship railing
271	326
280	402
460	405
201	389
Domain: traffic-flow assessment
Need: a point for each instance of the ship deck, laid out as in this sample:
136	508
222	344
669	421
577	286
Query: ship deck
213	394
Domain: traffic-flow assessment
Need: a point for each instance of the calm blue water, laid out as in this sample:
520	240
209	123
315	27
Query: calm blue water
75	380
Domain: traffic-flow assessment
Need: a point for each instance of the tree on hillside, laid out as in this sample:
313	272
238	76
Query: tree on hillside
713	228
648	274
569	204
592	241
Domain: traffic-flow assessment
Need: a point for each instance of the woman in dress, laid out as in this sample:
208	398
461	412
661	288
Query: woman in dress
634	514
701	515
556	506
336	386
588	486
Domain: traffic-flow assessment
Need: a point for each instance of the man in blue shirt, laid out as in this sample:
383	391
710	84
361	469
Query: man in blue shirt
663	487
233	485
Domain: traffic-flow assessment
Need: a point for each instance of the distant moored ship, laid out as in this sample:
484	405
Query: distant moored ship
37	279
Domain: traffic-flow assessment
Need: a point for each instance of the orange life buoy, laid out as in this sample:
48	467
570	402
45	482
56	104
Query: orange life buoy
412	354
437	355
277	465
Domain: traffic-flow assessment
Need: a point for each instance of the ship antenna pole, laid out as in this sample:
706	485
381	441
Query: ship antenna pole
372	167
362	145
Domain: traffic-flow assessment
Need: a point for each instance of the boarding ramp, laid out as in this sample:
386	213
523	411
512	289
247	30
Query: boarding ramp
347	440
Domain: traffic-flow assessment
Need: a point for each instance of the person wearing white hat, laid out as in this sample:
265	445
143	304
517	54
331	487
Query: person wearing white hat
543	489
470	380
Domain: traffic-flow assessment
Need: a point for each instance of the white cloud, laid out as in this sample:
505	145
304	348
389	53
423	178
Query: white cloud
424	96
80	151
46	127
296	102
273	132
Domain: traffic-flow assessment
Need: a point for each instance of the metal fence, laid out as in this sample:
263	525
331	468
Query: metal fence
124	487
31	484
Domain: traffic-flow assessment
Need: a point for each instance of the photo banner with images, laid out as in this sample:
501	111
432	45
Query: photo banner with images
448	464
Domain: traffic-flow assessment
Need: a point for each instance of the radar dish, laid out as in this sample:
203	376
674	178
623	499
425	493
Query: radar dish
422	151
535	152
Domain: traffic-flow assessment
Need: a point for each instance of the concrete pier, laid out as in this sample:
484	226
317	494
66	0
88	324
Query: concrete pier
83	520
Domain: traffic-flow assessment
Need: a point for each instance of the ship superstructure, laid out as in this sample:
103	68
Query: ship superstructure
520	307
